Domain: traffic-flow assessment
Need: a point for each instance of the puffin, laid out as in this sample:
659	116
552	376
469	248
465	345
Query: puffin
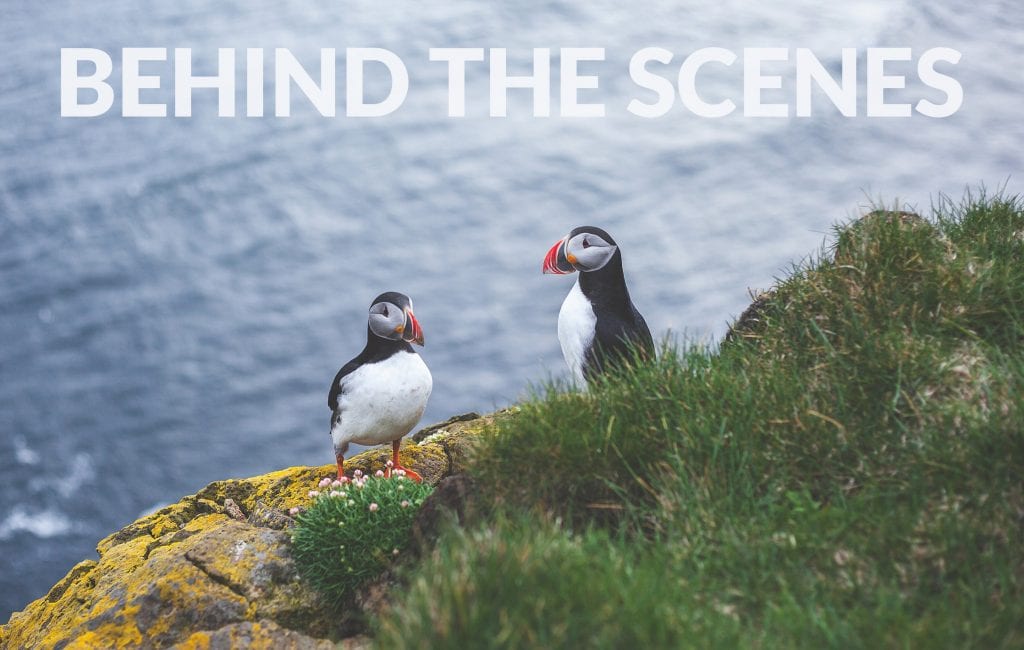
598	323
380	395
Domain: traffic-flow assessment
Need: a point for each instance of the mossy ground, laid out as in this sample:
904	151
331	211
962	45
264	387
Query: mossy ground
845	471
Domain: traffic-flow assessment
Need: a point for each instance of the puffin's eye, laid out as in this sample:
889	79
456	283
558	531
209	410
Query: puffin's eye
385	311
586	243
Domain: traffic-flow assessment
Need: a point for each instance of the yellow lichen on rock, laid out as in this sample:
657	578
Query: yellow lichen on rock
194	575
254	636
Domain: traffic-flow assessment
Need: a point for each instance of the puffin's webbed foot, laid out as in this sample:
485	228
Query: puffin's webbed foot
409	474
341	465
394	465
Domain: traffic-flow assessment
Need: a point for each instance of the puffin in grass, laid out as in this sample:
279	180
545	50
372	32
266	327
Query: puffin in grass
380	395
598	325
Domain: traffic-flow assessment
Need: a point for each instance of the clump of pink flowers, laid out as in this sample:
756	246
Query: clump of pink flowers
355	527
338	487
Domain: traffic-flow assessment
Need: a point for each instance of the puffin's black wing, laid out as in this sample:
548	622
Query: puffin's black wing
616	337
642	334
336	387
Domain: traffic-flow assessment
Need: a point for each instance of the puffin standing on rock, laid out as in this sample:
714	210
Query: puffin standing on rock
598	323
380	395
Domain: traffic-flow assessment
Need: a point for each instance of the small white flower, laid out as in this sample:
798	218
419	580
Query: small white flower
379	473
394	551
357	473
405	503
293	511
390	464
313	494
336	483
374	507
324	482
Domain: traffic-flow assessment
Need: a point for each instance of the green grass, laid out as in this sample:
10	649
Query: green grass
848	472
529	583
353	532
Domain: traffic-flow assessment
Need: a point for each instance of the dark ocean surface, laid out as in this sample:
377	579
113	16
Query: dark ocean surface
177	294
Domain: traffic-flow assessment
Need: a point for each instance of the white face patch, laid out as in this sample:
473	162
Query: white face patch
590	251
385	318
576	327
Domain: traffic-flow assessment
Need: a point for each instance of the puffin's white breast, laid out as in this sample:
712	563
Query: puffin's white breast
382	401
576	323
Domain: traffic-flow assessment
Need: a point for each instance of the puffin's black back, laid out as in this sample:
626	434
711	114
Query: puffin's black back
619	324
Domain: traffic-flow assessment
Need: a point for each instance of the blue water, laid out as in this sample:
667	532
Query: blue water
177	294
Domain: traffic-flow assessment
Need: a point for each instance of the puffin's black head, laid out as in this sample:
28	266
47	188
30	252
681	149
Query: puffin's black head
391	318
585	249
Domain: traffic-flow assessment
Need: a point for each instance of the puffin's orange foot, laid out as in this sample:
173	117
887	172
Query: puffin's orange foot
393	465
409	474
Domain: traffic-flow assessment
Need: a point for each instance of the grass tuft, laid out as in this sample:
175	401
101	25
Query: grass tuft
525	583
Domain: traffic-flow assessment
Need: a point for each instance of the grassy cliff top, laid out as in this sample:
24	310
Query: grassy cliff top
845	470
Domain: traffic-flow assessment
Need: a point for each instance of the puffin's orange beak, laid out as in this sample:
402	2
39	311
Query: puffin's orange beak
556	261
412	332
